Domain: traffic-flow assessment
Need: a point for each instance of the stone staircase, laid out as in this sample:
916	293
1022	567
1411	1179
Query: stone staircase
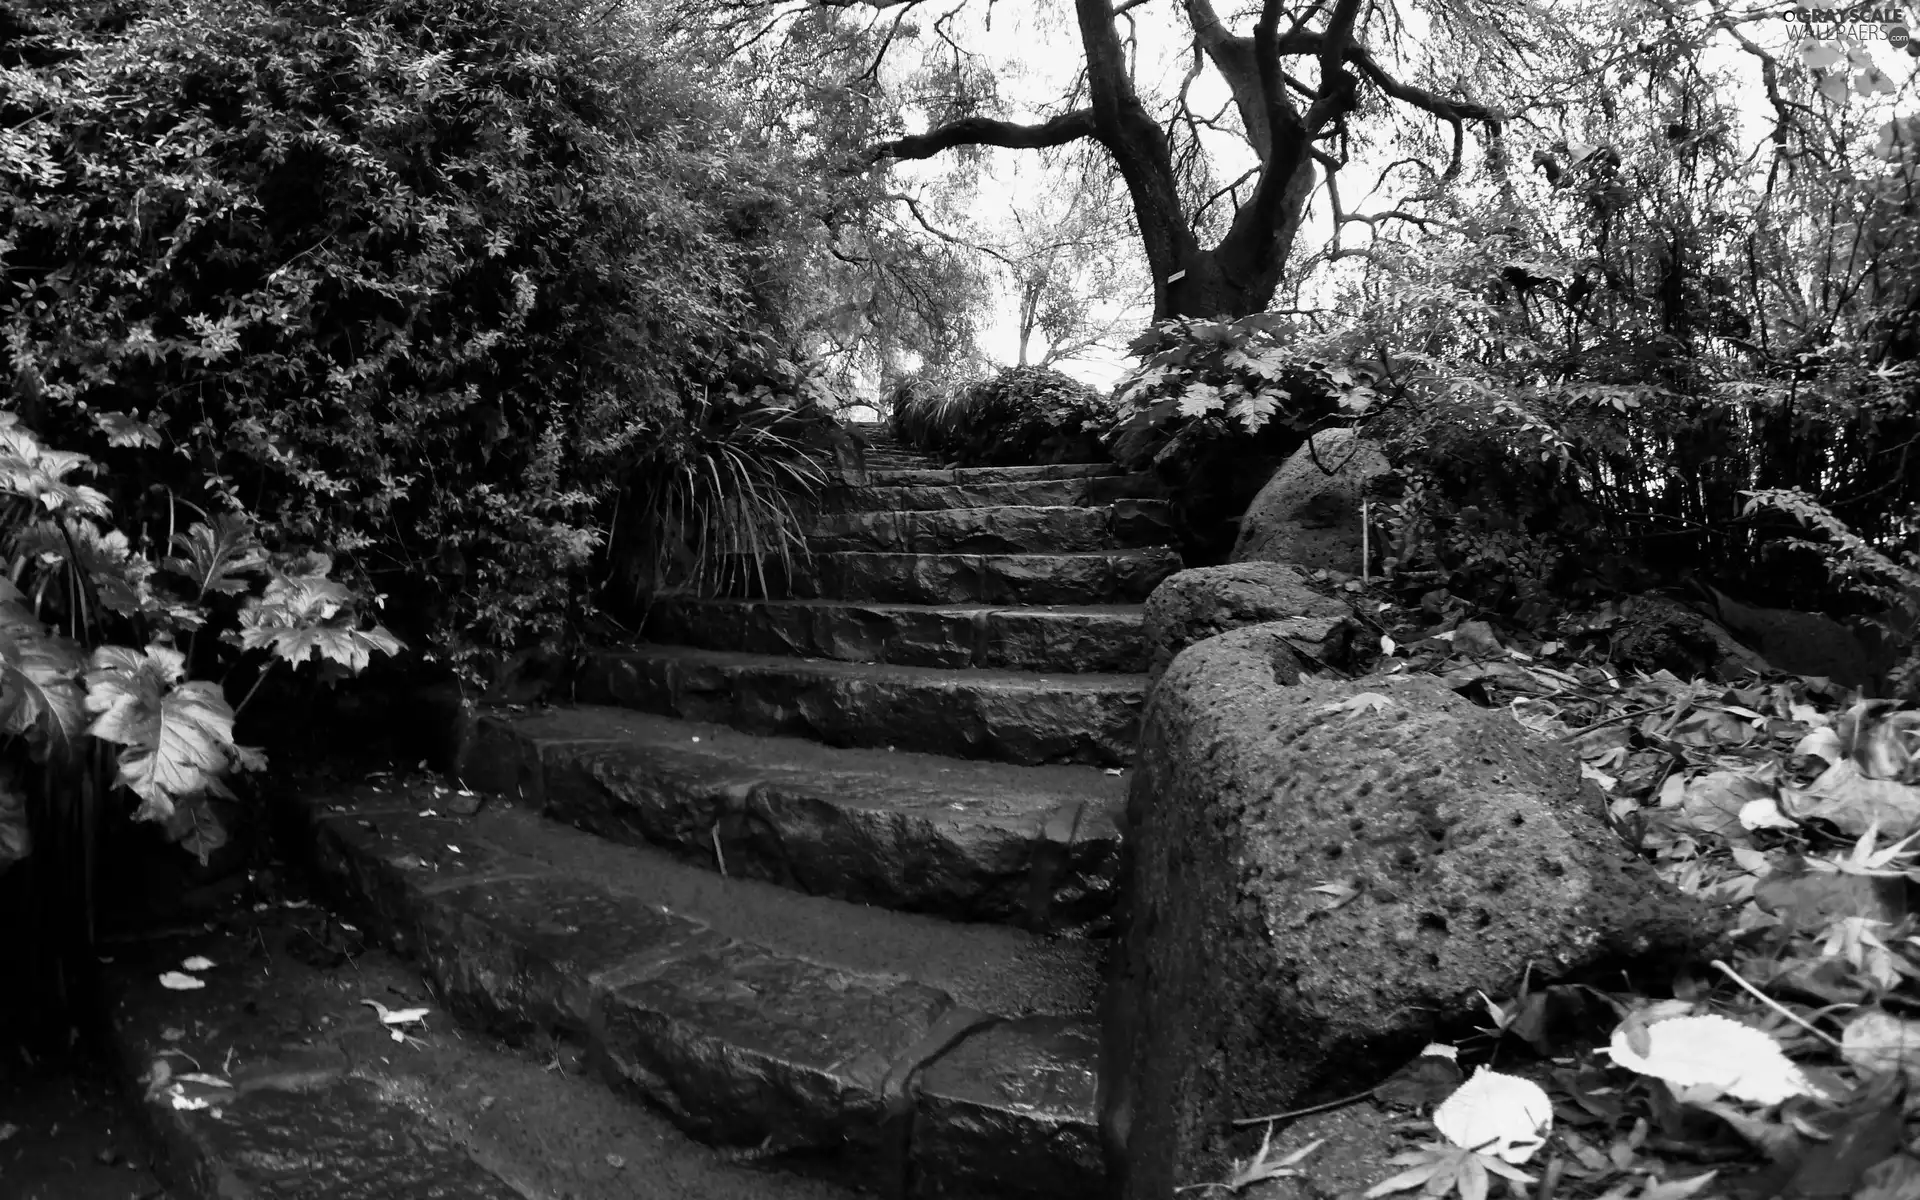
822	876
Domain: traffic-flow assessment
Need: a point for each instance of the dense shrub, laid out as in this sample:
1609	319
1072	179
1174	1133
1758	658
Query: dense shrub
410	281
1215	406
1023	415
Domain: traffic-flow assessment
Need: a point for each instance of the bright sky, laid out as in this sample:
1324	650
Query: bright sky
1033	54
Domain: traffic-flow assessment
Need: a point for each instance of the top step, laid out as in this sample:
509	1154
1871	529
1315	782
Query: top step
938	476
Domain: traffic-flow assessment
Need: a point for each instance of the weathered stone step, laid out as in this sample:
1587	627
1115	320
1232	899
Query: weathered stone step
971	475
901	1053
1030	846
1103	638
1115	577
1055	529
1093	489
1007	716
324	1105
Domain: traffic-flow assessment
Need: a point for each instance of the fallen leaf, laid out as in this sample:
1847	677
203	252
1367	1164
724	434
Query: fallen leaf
1844	795
1896	1178
178	982
207	1080
1358	703
1502	1115
197	963
397	1016
1878	1041
1711	1051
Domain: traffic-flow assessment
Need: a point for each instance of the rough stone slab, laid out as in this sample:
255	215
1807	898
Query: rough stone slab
1057	529
1006	716
1099	489
1477	851
1010	1112
388	861
1118	577
1093	638
1308	517
792	1043
970	475
1197	604
993	968
1035	847
326	1105
521	955
746	1047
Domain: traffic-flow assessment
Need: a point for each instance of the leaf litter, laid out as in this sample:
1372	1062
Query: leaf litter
1792	1068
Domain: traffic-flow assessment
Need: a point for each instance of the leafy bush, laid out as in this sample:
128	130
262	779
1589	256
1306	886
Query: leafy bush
1214	406
98	640
721	493
1022	416
411	281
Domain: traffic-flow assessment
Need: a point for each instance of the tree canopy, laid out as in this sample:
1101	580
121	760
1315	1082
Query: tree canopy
1219	192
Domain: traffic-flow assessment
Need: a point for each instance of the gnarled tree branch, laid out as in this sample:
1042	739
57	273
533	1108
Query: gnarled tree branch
986	131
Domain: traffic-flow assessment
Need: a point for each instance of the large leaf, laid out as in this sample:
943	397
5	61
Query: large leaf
15	840
177	735
218	557
295	644
38	694
302	617
33	472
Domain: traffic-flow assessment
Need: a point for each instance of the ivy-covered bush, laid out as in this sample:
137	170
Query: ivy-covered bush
411	282
1021	416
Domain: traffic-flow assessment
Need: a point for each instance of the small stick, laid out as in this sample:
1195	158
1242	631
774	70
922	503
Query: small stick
1366	547
1324	1106
1770	1002
719	855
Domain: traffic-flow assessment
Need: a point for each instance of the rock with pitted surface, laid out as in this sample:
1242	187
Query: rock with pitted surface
1309	512
1194	605
1463	849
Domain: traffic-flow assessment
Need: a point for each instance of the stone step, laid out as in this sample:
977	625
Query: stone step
1008	716
1035	847
1087	638
1056	529
1094	489
935	476
325	1106
902	1053
1114	577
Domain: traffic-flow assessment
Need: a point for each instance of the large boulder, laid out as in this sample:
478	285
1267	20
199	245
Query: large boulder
1473	848
1305	515
1191	606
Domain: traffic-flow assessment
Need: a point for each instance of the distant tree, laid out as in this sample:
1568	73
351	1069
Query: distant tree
1075	271
1303	80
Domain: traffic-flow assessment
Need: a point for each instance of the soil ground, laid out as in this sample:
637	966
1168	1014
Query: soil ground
68	1131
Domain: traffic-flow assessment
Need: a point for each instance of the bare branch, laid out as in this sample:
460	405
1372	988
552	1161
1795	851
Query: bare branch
920	218
986	131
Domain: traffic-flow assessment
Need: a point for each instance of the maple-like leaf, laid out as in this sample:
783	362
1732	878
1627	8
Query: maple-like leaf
1254	1170
177	736
309	616
218	558
1438	1170
1867	858
123	430
1199	398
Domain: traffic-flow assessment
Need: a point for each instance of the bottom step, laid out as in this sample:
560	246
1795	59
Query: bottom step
901	1053
327	1104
